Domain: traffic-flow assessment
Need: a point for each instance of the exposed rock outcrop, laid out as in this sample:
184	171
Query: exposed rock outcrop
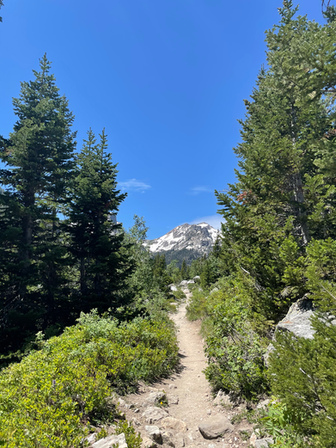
297	321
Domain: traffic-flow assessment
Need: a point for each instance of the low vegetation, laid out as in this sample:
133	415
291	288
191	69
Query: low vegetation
53	394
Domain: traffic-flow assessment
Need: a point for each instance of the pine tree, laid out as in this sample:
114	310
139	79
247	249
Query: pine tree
184	270
95	240
39	164
284	190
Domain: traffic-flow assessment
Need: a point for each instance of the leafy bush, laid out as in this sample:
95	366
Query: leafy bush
133	439
196	309
278	422
179	294
303	375
233	347
48	397
234	354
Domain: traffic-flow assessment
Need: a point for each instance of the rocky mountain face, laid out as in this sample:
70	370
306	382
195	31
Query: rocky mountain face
188	241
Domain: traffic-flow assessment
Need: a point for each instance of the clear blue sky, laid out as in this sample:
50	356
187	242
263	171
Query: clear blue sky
166	78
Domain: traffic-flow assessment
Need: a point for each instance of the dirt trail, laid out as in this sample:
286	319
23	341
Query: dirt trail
192	388
195	401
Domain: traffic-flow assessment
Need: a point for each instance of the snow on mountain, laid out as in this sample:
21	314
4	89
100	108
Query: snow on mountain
187	241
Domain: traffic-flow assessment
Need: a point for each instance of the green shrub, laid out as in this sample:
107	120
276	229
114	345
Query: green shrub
303	375
179	294
47	398
234	349
278	422
133	439
233	346
196	309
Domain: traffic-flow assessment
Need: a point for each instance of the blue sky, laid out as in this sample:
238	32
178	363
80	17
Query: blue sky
166	78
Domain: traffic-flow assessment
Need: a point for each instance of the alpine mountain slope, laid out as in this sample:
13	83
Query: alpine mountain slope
185	242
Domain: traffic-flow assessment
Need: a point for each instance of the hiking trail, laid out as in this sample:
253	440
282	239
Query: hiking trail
190	401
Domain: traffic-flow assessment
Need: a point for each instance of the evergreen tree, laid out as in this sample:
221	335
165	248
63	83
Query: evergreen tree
217	248
184	270
207	277
160	273
142	280
284	187
95	240
38	159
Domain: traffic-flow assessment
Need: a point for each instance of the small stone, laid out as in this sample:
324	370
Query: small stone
266	442
148	443
154	433
173	424
173	399
263	404
156	398
91	438
153	414
135	421
253	439
209	411
180	442
136	410
222	399
215	427
108	442
172	386
167	438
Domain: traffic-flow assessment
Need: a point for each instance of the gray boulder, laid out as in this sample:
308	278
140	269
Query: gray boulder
184	283
215	427
297	320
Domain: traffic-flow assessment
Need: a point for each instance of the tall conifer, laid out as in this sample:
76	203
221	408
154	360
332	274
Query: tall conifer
39	163
96	241
285	194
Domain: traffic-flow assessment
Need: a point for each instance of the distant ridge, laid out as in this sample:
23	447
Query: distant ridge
187	241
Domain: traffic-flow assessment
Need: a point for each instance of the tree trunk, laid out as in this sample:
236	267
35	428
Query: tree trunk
299	199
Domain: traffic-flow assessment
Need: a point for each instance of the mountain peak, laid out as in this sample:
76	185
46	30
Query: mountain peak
186	241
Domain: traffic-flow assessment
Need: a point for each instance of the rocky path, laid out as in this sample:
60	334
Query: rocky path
192	417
